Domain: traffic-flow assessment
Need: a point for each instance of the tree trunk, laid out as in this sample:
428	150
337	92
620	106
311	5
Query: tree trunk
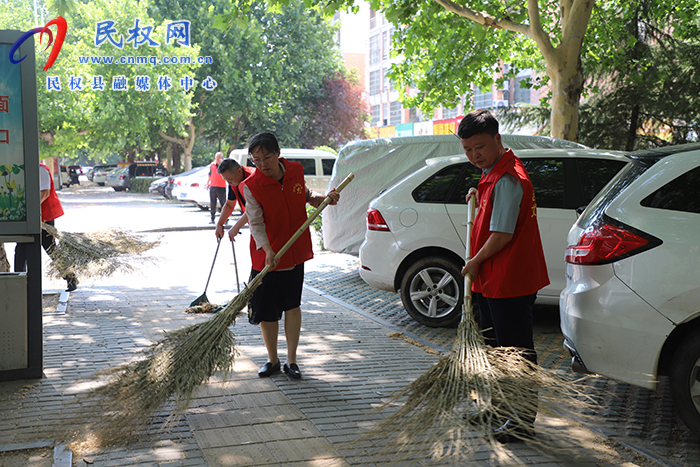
169	158
4	263
566	81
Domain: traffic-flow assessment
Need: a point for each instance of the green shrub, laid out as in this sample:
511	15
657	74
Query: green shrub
316	225
141	185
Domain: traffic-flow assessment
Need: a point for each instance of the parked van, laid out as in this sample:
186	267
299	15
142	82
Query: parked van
63	176
318	165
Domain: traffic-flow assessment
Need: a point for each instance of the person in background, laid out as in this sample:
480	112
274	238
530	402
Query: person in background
51	209
508	266
276	197
234	174
216	186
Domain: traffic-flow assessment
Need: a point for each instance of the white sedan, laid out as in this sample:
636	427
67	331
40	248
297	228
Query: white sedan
190	187
631	306
416	230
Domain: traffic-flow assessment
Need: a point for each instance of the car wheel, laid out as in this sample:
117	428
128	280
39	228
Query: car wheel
432	290
118	188
685	381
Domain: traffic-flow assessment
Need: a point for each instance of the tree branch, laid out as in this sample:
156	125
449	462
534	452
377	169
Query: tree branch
542	39
575	22
484	18
170	138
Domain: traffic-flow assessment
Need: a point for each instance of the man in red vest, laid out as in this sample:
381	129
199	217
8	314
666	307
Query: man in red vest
508	266
51	209
276	198
234	174
216	185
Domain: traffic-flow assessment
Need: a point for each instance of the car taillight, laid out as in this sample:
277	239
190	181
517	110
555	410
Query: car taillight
375	221
122	177
606	243
195	184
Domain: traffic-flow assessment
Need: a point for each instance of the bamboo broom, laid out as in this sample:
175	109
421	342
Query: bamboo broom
172	368
452	409
96	254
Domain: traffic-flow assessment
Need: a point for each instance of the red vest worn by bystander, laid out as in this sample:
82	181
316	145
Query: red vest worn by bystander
238	190
284	211
519	269
215	178
51	207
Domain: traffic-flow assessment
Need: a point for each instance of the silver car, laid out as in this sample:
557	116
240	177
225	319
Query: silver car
119	179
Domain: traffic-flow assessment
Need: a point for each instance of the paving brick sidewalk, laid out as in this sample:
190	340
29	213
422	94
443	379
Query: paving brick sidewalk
350	367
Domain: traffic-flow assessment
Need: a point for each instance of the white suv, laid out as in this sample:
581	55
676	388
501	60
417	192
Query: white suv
416	230
318	165
631	306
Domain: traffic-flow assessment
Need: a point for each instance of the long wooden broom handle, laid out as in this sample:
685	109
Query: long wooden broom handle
308	222
470	223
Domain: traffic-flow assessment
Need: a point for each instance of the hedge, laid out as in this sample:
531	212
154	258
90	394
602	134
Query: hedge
141	184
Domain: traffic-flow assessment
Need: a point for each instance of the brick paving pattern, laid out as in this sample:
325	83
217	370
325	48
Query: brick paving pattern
350	368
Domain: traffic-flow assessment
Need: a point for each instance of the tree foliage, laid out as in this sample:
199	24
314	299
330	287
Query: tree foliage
103	121
650	96
267	68
446	47
337	115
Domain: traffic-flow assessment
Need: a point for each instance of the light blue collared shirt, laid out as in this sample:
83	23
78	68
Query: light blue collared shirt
505	199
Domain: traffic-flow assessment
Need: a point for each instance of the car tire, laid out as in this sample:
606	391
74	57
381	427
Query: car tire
431	291
685	381
117	188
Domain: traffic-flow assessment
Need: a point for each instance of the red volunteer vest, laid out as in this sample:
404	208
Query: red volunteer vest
238	190
51	207
284	211
215	178
519	269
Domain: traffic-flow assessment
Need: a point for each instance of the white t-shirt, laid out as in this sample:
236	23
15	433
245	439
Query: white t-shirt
44	178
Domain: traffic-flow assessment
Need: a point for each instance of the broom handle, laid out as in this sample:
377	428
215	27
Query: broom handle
308	222
470	223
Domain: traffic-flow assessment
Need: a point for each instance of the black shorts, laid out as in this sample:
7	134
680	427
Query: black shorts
280	291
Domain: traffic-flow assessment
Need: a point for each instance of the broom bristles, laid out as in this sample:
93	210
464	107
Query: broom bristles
452	409
96	254
173	368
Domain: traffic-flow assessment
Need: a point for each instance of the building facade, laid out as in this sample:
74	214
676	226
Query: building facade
370	31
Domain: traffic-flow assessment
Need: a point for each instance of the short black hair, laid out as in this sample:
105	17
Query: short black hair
477	122
264	140
228	164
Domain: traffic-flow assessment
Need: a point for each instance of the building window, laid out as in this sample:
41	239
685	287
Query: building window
395	113
386	84
385	114
482	100
375	115
449	113
372	19
386	45
375	50
413	115
522	94
375	82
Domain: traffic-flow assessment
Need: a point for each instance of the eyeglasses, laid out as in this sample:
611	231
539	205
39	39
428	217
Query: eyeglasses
264	160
